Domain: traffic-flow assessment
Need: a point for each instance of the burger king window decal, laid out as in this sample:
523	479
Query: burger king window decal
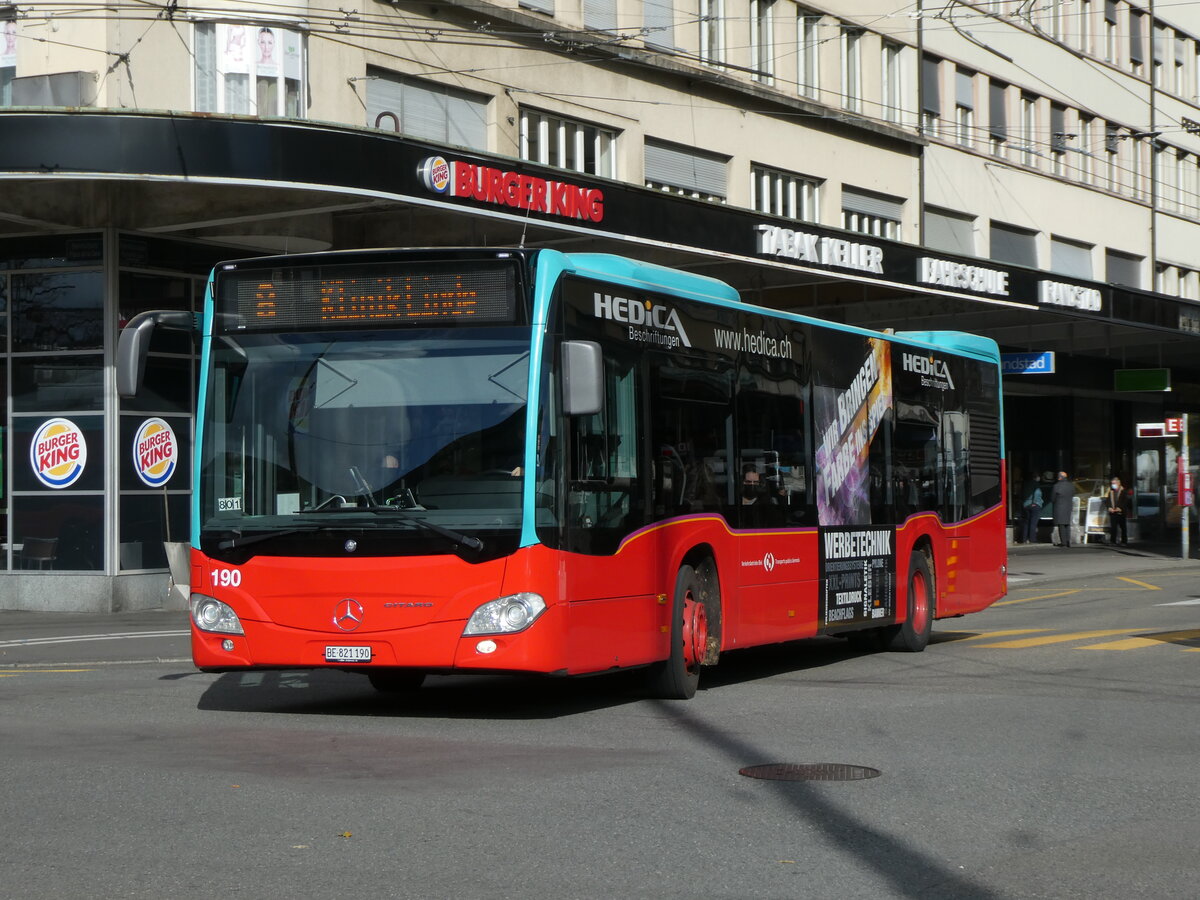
155	452
58	453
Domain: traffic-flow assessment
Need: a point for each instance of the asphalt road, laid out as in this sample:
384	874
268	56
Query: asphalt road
1044	748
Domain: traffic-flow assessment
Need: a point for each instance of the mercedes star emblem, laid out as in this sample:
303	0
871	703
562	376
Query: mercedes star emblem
348	614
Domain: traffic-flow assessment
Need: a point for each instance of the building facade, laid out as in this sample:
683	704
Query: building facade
1028	172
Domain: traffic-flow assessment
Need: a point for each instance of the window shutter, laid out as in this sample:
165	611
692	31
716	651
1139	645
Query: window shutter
658	16
1070	258
1014	245
931	101
205	51
546	6
950	233
384	94
600	14
997	111
867	204
686	168
964	89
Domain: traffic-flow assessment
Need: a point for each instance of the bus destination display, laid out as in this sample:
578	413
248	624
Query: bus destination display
422	296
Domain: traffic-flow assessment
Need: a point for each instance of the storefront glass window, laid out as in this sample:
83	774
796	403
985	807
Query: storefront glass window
61	531
58	311
57	383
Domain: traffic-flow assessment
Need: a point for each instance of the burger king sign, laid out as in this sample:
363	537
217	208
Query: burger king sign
155	452
58	453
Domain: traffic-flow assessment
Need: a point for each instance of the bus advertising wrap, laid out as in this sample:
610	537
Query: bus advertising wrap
848	409
858	576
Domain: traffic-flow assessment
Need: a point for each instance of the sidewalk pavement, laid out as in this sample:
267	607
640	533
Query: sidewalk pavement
1032	563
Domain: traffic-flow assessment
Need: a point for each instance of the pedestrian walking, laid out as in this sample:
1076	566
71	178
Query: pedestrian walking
1062	495
1120	506
1032	502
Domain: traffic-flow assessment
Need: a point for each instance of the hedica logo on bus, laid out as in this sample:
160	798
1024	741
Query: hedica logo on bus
155	452
58	453
651	323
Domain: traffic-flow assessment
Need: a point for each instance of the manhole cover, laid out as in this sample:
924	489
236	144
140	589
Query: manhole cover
810	772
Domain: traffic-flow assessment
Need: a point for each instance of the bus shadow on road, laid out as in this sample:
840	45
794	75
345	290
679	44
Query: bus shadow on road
337	693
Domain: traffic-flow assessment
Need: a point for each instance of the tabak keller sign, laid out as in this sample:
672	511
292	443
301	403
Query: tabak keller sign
512	190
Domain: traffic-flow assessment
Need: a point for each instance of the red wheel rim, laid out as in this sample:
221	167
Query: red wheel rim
919	586
695	631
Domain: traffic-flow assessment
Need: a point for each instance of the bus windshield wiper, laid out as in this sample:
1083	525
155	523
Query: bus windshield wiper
238	541
462	540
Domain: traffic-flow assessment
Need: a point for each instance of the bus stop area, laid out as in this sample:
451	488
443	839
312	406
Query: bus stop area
1032	563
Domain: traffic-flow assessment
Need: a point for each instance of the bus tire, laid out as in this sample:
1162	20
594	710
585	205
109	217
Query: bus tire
396	681
676	677
912	636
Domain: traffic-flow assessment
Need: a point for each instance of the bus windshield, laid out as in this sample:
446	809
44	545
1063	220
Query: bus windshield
311	433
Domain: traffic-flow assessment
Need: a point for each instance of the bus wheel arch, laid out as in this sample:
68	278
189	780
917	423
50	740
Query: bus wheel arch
694	629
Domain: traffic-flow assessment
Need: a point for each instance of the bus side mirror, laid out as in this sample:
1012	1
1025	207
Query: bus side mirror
134	342
583	378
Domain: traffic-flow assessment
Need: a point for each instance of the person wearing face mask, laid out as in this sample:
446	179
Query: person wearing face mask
1120	505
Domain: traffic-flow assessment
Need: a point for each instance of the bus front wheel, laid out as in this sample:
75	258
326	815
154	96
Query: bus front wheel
676	677
913	634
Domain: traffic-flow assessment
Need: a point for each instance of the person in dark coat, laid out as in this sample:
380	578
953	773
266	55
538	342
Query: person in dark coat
1062	496
1120	507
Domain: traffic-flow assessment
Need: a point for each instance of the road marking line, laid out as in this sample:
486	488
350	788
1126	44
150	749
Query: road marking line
82	638
995	634
1195	601
39	672
1136	643
1039	597
1149	587
1058	638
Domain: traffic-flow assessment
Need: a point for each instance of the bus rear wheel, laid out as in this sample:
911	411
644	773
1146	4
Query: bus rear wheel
396	681
912	635
676	677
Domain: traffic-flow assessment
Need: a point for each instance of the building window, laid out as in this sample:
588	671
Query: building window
949	232
852	68
545	6
1083	29
964	106
1179	81
426	109
1135	167
8	58
1159	56
600	14
785	194
1110	31
1112	157
1136	52
762	40
245	69
997	118
1087	132
1123	268
568	144
1070	258
1011	244
893	81
1058	138
807	53
870	213
712	31
658	17
686	171
1029	129
931	95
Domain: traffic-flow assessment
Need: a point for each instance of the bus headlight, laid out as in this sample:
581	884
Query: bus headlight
506	615
211	614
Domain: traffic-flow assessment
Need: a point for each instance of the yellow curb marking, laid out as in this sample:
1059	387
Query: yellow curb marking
1058	638
1149	587
1039	597
1136	643
995	634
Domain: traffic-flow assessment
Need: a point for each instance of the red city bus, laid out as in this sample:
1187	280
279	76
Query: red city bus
439	461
